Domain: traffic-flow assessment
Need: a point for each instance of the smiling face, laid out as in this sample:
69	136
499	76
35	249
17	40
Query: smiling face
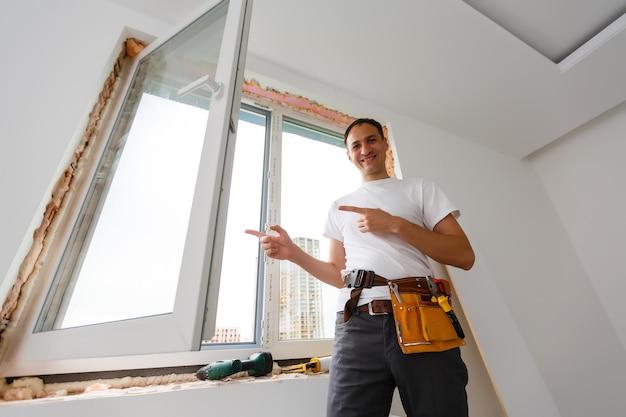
367	150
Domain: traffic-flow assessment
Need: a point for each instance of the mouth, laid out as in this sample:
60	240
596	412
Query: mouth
368	159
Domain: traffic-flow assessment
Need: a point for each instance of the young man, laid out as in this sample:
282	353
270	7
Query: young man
388	226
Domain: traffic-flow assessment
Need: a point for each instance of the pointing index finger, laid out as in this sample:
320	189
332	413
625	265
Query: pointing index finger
353	209
255	233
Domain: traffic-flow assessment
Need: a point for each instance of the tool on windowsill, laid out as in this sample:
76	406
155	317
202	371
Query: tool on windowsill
438	290
258	364
314	365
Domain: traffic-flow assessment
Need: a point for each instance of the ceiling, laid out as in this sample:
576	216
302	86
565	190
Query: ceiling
448	63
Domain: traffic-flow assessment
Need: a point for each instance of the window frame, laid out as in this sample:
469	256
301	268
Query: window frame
209	325
304	348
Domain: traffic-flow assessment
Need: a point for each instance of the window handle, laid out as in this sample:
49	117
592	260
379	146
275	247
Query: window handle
213	85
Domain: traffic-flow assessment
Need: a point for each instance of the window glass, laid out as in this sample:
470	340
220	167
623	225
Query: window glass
136	248
241	275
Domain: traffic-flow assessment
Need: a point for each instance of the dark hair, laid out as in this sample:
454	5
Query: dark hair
361	121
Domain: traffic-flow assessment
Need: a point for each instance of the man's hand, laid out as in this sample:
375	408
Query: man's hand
278	246
372	220
446	243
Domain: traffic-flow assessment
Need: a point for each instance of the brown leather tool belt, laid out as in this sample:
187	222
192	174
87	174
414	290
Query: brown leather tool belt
357	279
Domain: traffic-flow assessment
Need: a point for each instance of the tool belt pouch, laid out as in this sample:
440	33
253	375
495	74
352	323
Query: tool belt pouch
421	324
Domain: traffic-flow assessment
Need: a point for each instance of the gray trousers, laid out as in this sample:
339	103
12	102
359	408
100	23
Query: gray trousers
367	365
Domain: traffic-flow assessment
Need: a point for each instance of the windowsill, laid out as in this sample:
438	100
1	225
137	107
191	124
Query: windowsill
61	392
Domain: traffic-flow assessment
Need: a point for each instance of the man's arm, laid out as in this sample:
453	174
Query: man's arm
281	247
446	243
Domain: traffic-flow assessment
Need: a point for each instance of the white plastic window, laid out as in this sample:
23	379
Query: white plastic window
156	188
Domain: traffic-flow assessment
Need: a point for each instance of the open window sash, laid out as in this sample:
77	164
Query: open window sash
151	339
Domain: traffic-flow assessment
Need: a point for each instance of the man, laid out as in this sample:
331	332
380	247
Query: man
388	226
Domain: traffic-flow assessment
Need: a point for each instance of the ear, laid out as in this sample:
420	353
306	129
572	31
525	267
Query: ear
349	157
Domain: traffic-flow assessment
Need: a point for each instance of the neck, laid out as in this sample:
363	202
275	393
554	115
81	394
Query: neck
374	177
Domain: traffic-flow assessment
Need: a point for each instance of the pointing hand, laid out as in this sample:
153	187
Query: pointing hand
372	220
278	246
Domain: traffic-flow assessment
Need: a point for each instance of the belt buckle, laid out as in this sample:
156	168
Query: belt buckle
372	312
362	278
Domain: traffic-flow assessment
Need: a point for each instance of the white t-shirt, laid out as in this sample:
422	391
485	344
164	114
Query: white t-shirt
416	200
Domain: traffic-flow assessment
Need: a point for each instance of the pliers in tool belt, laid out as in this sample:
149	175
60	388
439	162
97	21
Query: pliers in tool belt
438	290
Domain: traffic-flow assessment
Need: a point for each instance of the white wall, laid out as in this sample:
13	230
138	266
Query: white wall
585	177
53	67
542	299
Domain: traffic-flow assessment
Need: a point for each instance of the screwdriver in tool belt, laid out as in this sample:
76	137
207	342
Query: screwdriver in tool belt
438	290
